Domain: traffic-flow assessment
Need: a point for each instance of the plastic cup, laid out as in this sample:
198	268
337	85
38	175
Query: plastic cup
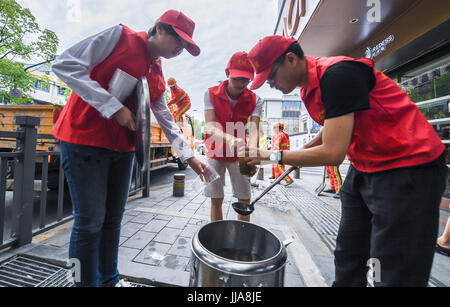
210	174
122	85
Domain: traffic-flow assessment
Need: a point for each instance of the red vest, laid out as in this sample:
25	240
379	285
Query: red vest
244	107
179	97
280	141
393	133
80	123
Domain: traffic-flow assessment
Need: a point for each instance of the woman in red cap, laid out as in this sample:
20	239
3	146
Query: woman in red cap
228	107
391	195
96	132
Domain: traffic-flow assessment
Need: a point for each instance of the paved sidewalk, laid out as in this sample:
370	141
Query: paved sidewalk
157	231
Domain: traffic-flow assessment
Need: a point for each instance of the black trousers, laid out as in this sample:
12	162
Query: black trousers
390	217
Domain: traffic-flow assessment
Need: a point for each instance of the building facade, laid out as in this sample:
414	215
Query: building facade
290	111
48	89
286	110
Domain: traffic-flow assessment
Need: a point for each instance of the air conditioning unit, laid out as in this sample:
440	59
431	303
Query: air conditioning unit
436	73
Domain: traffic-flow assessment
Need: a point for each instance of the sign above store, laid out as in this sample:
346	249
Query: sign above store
292	21
380	48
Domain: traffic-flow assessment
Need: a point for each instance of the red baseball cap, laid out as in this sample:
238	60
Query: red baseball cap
184	28
240	67
264	54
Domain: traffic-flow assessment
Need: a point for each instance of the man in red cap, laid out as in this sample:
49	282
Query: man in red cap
391	194
280	141
228	108
179	98
97	132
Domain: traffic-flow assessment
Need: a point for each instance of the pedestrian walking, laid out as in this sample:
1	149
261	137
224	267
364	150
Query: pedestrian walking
391	194
96	131
228	107
280	142
180	99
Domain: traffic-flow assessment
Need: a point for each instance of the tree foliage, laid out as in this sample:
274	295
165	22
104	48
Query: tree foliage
21	39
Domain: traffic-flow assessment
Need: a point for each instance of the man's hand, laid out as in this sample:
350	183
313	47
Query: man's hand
252	171
125	118
254	156
197	166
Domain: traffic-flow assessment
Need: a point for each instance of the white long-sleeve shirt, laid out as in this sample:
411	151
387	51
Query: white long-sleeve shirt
74	66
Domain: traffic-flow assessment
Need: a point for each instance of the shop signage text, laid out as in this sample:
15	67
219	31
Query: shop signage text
292	21
380	48
374	13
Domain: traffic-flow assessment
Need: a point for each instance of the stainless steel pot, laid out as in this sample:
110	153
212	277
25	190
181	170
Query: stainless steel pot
237	254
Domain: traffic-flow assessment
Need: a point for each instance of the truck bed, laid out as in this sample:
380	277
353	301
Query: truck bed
45	113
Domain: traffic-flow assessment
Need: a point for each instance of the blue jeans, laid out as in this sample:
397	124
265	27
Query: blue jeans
99	181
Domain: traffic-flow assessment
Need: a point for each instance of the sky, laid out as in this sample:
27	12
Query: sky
222	28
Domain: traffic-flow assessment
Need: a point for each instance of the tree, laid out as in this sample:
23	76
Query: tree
21	39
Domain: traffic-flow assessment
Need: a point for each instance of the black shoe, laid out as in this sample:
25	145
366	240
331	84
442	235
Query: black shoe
332	191
272	177
442	250
337	196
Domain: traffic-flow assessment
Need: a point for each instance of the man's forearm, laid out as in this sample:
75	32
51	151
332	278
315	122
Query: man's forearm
220	136
315	156
253	140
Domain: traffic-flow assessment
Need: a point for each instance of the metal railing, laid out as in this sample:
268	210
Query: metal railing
26	211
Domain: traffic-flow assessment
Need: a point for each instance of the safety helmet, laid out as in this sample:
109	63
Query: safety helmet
171	82
276	125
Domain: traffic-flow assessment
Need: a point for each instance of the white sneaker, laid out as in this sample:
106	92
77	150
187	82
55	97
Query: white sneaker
123	284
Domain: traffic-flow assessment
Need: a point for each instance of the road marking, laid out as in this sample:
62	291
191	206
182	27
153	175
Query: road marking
302	259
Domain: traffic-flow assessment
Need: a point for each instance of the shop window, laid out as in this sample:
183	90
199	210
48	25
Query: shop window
429	81
443	130
436	110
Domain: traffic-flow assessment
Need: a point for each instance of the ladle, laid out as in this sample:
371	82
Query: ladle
247	209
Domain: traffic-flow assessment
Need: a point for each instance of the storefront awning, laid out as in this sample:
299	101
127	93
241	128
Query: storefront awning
358	28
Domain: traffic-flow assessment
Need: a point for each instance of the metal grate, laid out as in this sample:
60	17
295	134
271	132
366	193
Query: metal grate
21	271
320	216
26	272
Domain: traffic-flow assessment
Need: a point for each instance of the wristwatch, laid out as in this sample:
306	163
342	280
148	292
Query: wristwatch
276	156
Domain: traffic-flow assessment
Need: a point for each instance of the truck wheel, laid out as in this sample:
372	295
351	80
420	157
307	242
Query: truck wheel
182	166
